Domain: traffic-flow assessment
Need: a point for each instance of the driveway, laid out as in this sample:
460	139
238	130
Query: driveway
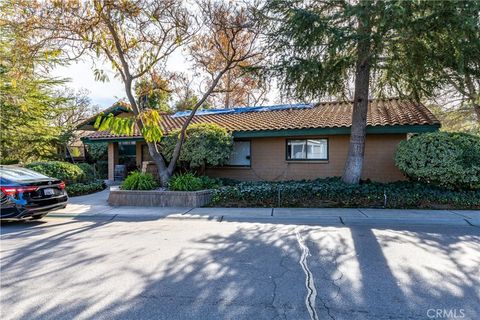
99	268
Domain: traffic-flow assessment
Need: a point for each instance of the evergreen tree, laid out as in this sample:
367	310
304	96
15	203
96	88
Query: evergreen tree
321	48
28	101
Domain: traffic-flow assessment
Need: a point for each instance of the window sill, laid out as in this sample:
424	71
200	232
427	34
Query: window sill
231	167
307	161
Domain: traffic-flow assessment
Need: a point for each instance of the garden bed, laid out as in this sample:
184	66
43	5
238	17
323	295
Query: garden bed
160	198
80	189
332	192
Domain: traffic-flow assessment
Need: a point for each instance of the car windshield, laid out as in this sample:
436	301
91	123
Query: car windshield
19	174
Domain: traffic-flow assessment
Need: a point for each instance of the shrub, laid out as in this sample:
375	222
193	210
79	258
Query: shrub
185	182
77	189
205	144
450	160
332	192
88	172
65	171
139	181
98	151
210	183
101	169
228	182
189	182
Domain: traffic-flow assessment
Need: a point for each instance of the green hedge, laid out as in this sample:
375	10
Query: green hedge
65	171
79	178
88	172
78	189
332	192
449	160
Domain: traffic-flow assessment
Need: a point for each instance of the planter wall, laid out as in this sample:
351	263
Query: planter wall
159	198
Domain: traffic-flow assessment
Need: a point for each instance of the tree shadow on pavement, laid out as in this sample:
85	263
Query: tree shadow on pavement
198	270
446	272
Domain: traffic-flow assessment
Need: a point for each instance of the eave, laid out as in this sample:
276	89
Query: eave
395	129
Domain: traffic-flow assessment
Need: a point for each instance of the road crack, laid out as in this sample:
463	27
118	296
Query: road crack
333	281
309	280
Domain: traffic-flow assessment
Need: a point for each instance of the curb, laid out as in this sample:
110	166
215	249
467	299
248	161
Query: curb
410	221
307	220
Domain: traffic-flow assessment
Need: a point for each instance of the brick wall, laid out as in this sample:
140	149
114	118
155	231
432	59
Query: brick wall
268	160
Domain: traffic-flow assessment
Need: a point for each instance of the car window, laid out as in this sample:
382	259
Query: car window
19	174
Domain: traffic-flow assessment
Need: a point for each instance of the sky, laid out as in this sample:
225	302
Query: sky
104	94
80	74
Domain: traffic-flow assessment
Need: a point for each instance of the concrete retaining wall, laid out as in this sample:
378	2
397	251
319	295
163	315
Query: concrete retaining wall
158	198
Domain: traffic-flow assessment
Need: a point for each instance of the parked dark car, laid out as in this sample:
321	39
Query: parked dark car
28	194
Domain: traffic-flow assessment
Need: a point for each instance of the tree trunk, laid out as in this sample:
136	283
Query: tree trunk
178	145
227	93
163	174
162	171
354	164
127	78
476	108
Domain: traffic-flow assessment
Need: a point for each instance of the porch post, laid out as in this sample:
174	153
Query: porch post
138	154
112	159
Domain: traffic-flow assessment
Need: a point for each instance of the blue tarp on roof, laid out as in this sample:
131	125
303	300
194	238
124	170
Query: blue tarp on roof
246	109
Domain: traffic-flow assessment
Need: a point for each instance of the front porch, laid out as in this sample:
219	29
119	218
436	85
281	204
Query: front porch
127	156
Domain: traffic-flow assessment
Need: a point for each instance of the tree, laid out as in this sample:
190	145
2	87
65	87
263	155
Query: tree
319	48
205	145
137	37
241	85
468	88
235	26
28	101
187	103
456	117
186	97
453	54
72	108
153	92
76	107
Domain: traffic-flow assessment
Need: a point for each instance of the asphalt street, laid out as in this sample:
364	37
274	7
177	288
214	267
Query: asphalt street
99	268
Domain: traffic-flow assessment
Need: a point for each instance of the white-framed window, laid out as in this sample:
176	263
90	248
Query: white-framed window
307	149
240	156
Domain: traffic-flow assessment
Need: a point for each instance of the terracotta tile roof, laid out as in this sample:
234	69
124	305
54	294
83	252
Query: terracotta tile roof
386	112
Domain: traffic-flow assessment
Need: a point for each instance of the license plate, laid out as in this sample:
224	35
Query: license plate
48	192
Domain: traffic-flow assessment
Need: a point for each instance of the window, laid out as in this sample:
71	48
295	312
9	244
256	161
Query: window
127	153
307	149
240	155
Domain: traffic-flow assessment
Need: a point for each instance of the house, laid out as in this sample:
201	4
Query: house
287	142
74	150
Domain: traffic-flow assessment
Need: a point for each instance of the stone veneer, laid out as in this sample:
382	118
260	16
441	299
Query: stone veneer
159	198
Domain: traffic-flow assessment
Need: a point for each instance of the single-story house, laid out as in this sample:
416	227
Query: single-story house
286	142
